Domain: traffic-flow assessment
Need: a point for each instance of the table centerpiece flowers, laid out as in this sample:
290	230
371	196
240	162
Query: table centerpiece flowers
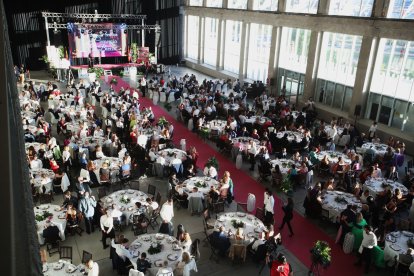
124	199
155	248
43	216
237	223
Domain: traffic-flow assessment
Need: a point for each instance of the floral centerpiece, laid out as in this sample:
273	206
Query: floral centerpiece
212	162
321	254
43	216
124	199
200	184
114	81
341	199
385	185
170	153
155	248
286	186
237	223
162	121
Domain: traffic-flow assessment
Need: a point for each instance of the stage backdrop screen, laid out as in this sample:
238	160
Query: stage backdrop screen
102	42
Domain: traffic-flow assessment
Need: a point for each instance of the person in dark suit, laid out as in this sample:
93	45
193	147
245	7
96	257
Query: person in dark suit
220	240
288	210
51	233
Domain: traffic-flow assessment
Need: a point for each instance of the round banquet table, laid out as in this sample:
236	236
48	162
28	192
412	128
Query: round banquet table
284	164
292	135
170	251
233	107
203	180
379	149
295	114
243	143
378	185
62	268
252	225
335	208
218	125
395	244
36	146
252	120
333	156
39	172
168	155
114	164
58	219
91	141
125	201
339	130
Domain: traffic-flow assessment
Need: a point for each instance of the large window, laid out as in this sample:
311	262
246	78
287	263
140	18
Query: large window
337	68
294	47
259	49
361	8
232	46
237	4
302	6
214	3
196	2
210	41
265	5
192	33
403	9
392	85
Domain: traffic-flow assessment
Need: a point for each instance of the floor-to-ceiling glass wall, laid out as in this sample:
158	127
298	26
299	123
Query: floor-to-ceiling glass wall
192	36
210	41
214	3
361	8
259	50
265	5
294	45
232	46
391	97
302	6
237	4
337	69
401	9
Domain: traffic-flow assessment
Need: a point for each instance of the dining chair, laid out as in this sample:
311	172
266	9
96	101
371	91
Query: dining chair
218	207
325	214
134	184
158	198
65	252
101	192
260	213
116	186
151	190
241	207
153	220
86	256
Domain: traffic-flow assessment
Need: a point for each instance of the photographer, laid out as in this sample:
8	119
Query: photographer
265	250
280	266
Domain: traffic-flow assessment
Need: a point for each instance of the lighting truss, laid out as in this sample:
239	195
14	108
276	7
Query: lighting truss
94	16
98	26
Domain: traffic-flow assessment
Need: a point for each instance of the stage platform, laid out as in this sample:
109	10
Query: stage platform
108	66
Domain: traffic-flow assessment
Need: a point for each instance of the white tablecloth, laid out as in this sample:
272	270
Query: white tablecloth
190	183
284	164
36	146
169	155
231	107
252	120
143	243
379	149
335	208
292	135
127	208
376	186
218	125
339	130
58	219
243	143
333	156
395	244
252	225
62	268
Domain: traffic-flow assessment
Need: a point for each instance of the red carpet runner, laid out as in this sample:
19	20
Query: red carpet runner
306	233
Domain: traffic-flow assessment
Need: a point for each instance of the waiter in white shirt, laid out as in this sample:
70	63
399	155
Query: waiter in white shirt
107	227
369	241
269	204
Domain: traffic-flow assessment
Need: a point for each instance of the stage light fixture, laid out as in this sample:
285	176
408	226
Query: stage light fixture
125	31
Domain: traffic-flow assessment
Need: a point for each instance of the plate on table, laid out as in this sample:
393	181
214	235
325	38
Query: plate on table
170	239
71	268
176	247
395	247
231	215
136	245
130	191
130	208
221	219
57	209
395	234
109	200
122	192
62	216
159	236
390	238
158	263
134	253
258	229
44	207
172	257
122	209
241	214
250	217
146	238
58	265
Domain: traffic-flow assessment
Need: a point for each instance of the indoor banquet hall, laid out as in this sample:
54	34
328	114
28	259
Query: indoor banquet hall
208	137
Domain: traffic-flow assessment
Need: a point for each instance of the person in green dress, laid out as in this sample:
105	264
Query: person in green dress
357	230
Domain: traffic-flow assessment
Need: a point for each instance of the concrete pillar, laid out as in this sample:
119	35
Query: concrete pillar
380	8
186	36
323	7
222	44
242	51
314	52
204	3
363	76
281	6
271	71
225	4
250	4
218	43
200	58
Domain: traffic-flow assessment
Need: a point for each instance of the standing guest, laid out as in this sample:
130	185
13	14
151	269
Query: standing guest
87	206
269	203
166	214
107	227
372	130
369	241
288	210
280	266
347	220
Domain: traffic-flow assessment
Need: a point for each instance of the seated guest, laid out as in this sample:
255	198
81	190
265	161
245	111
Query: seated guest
121	249
189	171
173	181
142	263
377	171
51	232
364	196
220	240
185	242
165	269
255	245
347	220
407	257
69	199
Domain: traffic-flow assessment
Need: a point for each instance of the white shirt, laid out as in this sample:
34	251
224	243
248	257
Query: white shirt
115	213
167	212
212	172
106	221
161	160
332	132
269	203
98	133
142	140
377	173
36	164
152	156
369	240
65	155
100	155
154	205
94	271
121	250
176	161
256	244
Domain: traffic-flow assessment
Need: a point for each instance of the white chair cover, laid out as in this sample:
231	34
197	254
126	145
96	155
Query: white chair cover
251	203
163	97
134	272
190	125
183	144
171	97
65	183
239	161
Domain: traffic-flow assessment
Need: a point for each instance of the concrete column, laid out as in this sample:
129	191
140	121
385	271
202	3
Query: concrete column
250	4
186	36
314	53
243	44
200	56
204	3
363	74
323	7
225	4
281	6
380	8
219	32
272	57
223	43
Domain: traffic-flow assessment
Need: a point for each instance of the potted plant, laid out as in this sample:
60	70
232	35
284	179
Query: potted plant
321	254
114	81
286	186
162	121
